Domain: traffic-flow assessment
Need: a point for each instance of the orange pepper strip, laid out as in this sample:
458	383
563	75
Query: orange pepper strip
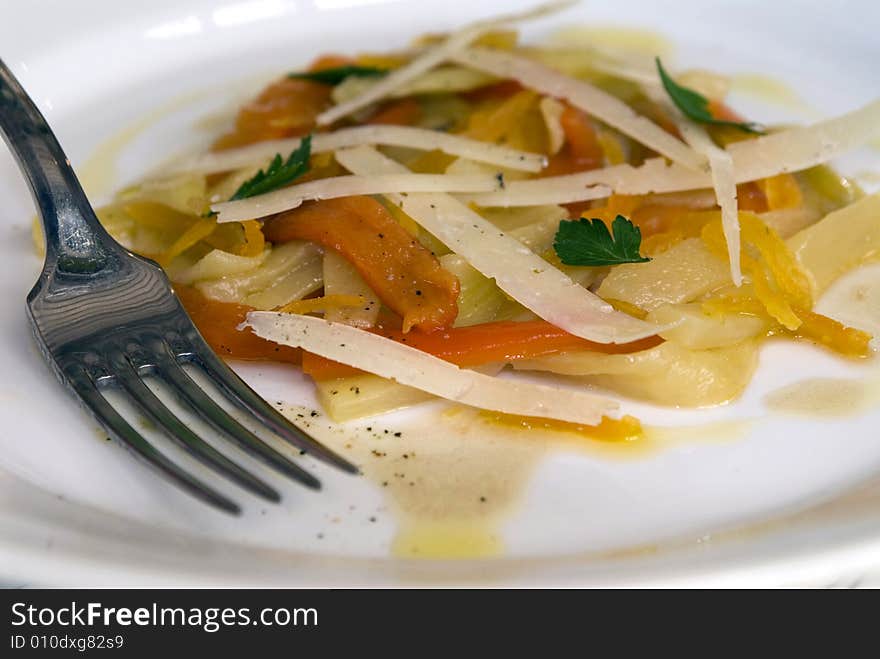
495	91
720	111
402	272
750	197
217	322
581	151
286	108
781	191
501	341
400	113
844	340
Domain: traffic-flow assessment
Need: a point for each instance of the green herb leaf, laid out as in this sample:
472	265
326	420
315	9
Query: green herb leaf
586	242
695	106
279	173
337	74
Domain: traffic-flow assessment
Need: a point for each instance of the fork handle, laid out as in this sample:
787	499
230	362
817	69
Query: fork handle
75	240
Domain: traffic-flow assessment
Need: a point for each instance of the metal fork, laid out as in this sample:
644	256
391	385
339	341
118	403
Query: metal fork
104	317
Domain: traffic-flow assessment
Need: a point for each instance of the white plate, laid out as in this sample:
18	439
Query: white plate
78	510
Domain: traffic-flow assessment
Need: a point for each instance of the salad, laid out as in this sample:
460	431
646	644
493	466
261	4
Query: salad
407	225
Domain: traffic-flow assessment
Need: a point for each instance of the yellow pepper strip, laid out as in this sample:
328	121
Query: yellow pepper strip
611	147
158	216
625	205
494	122
199	230
781	191
778	281
323	304
836	336
844	340
254	241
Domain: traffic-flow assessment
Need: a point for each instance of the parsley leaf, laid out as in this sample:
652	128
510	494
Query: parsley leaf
279	173
339	73
586	242
695	106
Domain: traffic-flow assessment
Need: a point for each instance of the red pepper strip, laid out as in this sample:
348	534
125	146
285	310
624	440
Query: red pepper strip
217	322
502	341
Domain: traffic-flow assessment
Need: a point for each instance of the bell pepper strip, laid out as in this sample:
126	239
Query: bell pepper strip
217	322
750	197
405	112
582	149
496	91
286	108
404	274
781	191
495	121
487	343
323	304
846	341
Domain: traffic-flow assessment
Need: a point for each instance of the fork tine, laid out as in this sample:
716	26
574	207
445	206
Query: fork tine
250	401
155	409
121	430
184	386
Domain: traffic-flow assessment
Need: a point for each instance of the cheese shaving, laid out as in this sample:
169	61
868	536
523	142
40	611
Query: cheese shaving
584	96
432	57
414	368
721	165
787	151
348	186
442	80
405	136
721	170
519	272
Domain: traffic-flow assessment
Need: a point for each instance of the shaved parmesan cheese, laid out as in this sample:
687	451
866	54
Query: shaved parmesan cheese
429	59
786	151
585	96
579	61
405	136
721	169
414	368
537	195
805	146
348	186
442	80
519	272
551	111
721	165
655	175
